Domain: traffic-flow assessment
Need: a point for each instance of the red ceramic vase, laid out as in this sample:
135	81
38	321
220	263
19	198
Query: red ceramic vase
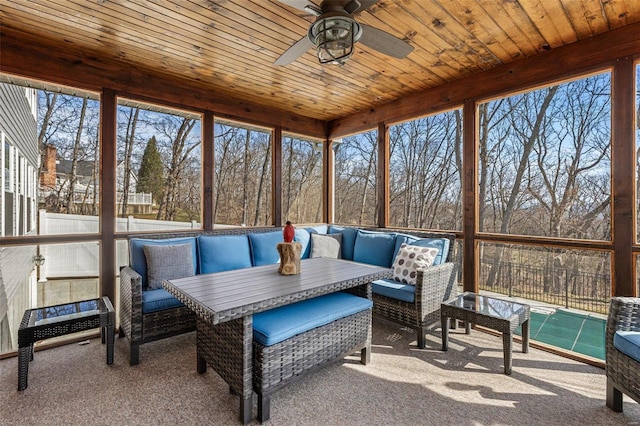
289	232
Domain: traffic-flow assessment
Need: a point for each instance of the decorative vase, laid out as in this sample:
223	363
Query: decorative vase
288	232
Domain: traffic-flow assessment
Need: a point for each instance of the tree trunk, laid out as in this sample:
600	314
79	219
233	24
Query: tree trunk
77	146
126	165
263	177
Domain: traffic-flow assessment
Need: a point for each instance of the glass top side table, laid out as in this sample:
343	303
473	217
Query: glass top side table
501	315
59	320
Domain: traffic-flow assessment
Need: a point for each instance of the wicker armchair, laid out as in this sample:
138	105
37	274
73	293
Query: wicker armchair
142	328
623	372
434	285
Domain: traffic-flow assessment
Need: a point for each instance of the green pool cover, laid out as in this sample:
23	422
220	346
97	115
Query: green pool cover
573	331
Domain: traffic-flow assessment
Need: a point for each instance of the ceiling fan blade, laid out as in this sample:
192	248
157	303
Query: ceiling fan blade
303	5
355	6
295	51
384	42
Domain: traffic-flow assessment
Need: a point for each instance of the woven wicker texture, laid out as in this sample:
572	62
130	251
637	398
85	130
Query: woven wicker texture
505	318
142	328
30	332
623	372
226	301
434	285
277	365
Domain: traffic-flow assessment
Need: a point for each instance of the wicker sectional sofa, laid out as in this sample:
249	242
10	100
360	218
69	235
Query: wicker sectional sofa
150	314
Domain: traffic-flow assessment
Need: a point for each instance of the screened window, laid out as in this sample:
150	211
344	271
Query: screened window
425	172
159	168
68	139
301	180
544	161
243	183
356	164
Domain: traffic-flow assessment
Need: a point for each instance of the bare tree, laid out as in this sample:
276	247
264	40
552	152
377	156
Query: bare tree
129	143
177	154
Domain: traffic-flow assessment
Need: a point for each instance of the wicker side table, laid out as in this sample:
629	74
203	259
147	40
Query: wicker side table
59	320
497	314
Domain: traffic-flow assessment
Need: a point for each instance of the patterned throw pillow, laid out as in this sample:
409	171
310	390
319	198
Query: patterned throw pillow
411	258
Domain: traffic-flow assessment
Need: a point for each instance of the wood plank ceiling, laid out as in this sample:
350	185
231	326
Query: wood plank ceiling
229	46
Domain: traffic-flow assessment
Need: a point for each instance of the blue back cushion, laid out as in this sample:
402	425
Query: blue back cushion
348	239
374	248
223	253
278	324
319	229
263	247
303	237
138	262
442	244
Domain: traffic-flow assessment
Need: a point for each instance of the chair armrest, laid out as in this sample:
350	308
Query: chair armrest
434	285
131	303
624	314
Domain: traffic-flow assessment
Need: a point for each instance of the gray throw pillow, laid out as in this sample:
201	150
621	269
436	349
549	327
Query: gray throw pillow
167	262
328	245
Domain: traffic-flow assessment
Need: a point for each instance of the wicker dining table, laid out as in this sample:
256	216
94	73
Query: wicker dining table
224	303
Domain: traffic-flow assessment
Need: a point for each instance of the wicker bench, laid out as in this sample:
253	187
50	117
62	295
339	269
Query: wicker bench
294	340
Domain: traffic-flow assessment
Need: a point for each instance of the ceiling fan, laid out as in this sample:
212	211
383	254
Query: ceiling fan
335	32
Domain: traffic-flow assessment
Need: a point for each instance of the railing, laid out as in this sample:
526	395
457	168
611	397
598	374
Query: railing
556	285
137	198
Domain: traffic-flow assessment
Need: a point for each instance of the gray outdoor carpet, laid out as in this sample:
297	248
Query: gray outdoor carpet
72	385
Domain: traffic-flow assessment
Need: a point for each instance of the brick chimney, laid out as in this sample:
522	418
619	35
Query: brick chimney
48	172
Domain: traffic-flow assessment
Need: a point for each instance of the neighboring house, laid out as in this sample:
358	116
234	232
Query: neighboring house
56	173
18	204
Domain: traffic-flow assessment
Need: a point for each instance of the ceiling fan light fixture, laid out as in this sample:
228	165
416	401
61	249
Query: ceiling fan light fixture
334	38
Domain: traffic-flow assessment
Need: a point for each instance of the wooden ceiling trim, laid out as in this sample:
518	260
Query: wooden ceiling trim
26	58
571	60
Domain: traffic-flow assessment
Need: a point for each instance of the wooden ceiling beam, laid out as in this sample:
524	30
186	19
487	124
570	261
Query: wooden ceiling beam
561	63
23	56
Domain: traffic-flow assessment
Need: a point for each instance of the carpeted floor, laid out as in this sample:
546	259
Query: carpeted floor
72	385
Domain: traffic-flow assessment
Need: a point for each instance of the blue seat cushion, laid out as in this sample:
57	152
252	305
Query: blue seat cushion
158	300
223	253
278	324
263	247
628	342
348	239
442	244
138	261
394	289
374	248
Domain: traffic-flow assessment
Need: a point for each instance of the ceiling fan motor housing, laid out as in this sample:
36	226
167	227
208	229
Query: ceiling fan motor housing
334	34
